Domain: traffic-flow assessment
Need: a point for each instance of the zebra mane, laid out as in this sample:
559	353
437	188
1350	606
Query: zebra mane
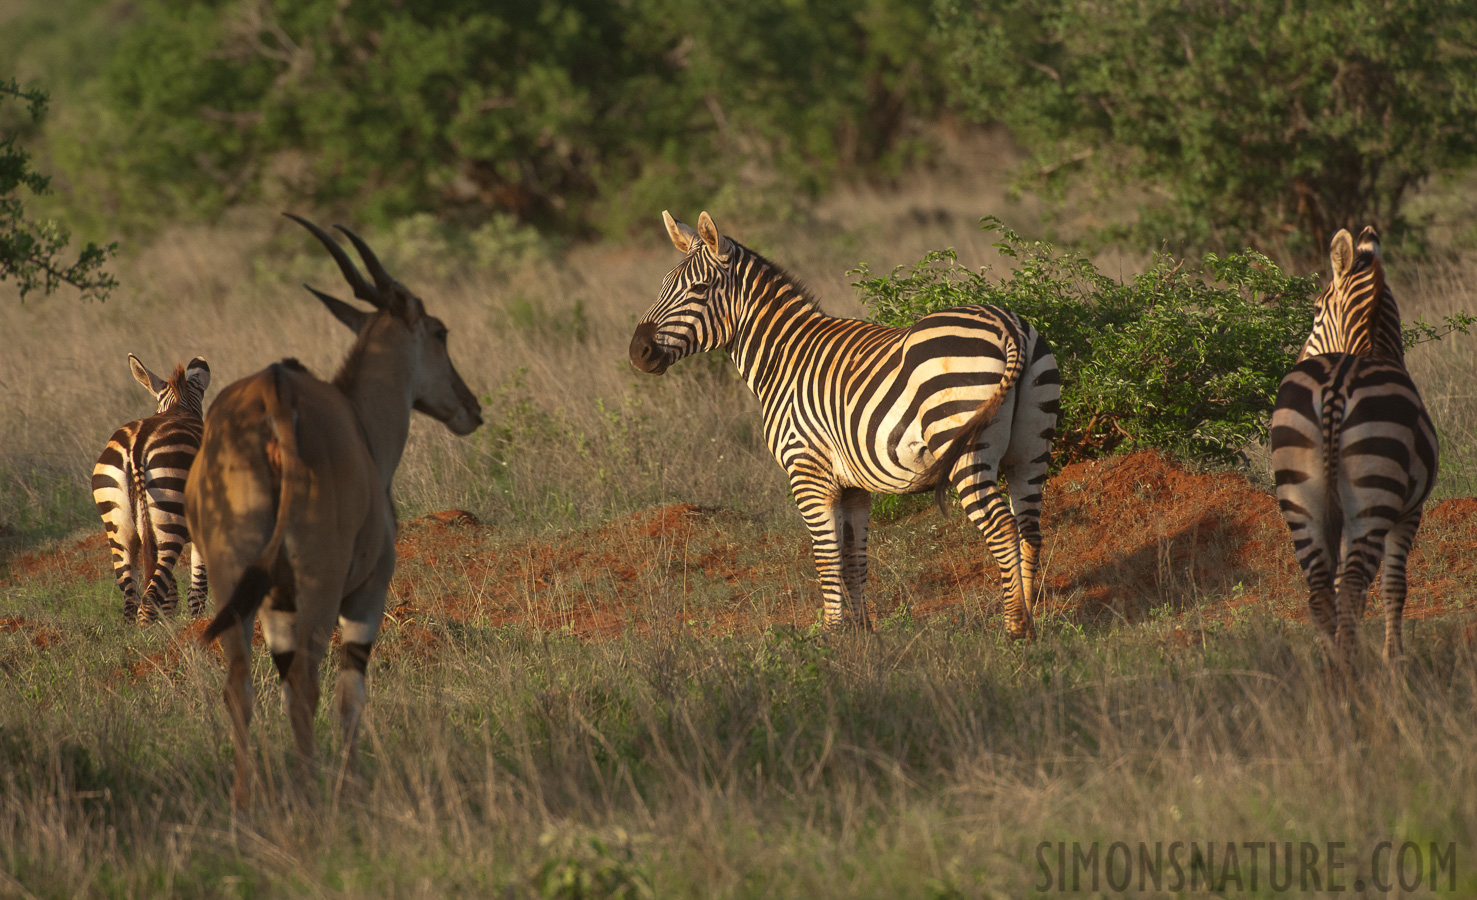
778	272
178	387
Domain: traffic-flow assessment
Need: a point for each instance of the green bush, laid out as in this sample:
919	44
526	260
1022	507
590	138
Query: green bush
1185	357
1248	122
575	115
31	251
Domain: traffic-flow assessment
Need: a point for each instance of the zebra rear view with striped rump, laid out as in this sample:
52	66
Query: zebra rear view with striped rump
1353	450
851	408
138	484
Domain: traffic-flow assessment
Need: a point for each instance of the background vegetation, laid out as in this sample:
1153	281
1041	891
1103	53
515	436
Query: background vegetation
509	163
1248	122
574	115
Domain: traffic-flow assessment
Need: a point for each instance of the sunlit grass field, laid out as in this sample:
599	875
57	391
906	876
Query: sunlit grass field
683	758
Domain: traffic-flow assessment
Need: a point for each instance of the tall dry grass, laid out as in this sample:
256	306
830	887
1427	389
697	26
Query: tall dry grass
573	432
929	762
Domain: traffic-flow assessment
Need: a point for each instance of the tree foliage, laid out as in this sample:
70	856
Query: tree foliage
1255	122
561	113
1185	357
31	252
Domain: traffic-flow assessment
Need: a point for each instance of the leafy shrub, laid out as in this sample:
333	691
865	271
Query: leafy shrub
1182	357
558	114
1271	132
30	251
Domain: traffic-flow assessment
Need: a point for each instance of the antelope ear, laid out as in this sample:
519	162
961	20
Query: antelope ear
148	379
198	373
1341	253
717	244
405	306
351	317
683	237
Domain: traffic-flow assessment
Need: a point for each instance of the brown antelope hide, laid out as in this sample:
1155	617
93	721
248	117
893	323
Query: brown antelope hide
289	498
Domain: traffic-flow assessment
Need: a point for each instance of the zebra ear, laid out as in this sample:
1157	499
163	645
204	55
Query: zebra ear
1369	241
717	244
198	373
1341	253
148	379
683	237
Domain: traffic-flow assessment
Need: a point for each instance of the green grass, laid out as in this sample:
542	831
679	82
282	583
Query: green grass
929	761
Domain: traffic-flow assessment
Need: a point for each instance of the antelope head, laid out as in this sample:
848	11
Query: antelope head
436	388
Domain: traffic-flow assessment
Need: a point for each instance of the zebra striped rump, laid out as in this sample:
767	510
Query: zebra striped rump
138	485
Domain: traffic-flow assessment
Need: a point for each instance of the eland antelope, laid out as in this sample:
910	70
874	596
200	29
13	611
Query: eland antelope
289	498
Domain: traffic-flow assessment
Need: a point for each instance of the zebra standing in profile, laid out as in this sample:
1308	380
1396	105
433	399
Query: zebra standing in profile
850	407
139	487
1353	449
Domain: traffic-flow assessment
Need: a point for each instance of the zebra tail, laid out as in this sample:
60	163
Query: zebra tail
281	447
1333	423
937	475
148	550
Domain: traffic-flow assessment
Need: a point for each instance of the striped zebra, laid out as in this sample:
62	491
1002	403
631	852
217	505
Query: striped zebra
139	486
851	408
1353	449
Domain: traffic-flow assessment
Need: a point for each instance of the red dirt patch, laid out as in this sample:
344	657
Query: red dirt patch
1123	536
40	635
84	559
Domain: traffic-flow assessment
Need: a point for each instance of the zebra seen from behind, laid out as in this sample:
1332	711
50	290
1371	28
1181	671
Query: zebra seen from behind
138	484
851	408
1353	450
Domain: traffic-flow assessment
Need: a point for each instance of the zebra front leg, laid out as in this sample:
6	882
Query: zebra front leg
198	584
820	506
987	509
1392	583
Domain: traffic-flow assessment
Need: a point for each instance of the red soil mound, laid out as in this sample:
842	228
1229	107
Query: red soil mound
1124	536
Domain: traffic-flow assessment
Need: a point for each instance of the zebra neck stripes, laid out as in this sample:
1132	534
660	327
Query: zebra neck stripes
1357	312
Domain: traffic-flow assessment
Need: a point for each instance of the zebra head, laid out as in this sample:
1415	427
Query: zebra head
186	387
1350	312
697	308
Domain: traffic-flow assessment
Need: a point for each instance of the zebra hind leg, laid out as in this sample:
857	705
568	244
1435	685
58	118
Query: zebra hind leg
1392	582
991	514
198	583
855	515
1355	571
125	547
161	600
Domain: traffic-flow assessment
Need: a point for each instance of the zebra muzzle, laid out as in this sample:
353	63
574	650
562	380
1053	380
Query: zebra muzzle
646	354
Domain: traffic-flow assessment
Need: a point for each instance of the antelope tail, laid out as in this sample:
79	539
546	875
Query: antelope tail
937	475
279	437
